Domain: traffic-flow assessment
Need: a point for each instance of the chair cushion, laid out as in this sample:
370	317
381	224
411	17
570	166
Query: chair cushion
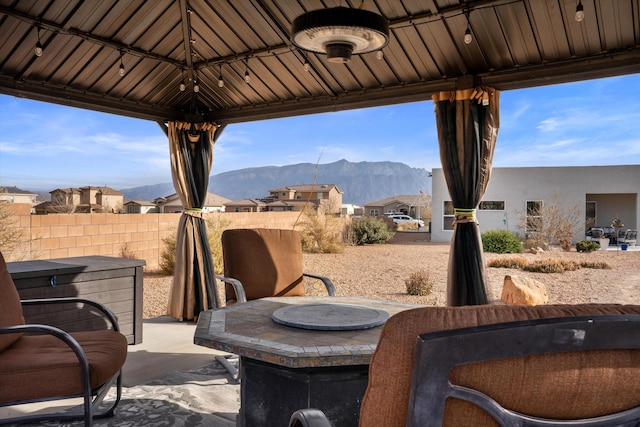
41	366
268	262
10	307
566	385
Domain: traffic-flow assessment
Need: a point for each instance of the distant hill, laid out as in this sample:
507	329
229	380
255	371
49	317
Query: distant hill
360	182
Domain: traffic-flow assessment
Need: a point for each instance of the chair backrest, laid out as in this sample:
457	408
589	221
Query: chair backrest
631	235
10	307
391	369
443	356
597	233
268	262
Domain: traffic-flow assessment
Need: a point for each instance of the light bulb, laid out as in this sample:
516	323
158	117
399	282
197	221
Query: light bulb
379	54
121	70
196	88
38	49
579	12
220	82
307	67
183	87
467	36
247	77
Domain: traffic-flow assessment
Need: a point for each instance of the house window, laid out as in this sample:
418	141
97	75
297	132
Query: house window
284	194
320	195
298	196
373	212
534	216
448	215
491	205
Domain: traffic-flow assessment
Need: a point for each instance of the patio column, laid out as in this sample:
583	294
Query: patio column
468	122
193	289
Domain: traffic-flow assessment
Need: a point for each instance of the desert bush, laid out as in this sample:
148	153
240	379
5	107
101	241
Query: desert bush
598	265
215	226
509	262
550	223
552	266
126	251
501	242
321	232
370	230
587	246
420	283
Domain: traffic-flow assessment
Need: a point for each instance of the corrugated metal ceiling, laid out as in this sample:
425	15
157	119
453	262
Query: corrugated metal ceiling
516	44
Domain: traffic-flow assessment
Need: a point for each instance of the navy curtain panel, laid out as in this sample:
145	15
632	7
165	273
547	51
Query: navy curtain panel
468	122
194	288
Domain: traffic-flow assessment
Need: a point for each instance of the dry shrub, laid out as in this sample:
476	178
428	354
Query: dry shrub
598	265
509	262
126	251
552	266
321	232
420	283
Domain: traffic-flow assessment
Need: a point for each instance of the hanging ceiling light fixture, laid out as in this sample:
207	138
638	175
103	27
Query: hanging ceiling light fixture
121	69
579	11
182	86
340	32
468	38
38	50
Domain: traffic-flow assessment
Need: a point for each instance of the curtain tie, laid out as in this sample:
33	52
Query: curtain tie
464	216
197	212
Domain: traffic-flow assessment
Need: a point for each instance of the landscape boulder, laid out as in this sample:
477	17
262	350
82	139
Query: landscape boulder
518	290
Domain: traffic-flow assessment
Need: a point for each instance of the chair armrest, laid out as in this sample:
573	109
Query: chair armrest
309	418
327	282
105	311
241	296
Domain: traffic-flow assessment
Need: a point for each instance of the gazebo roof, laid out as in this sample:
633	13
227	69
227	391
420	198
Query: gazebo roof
516	44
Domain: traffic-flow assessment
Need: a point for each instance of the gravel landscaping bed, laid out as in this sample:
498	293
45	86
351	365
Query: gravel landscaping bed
380	271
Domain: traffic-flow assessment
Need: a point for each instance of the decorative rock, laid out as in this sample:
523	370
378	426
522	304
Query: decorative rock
523	291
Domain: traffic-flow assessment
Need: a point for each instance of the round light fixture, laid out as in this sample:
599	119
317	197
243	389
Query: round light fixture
340	32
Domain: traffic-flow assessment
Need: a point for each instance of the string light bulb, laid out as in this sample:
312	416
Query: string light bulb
121	69
579	11
182	86
220	80
380	54
247	77
468	38
38	50
307	66
196	87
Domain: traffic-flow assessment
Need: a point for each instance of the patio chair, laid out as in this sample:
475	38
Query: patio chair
260	263
629	238
263	262
40	363
453	366
597	233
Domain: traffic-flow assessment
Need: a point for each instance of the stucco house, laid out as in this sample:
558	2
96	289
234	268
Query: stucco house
295	197
246	205
140	207
599	193
415	205
21	201
172	203
87	199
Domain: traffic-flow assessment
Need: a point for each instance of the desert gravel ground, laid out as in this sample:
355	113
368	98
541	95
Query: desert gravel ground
380	271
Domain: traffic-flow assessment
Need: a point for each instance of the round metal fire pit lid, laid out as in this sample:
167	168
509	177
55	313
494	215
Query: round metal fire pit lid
330	317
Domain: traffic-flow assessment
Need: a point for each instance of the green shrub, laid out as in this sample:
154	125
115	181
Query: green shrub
370	230
420	283
509	262
587	246
501	242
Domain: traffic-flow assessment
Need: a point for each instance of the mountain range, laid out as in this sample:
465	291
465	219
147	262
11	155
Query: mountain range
360	182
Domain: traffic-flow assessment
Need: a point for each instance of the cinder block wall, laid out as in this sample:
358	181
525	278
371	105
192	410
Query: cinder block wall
71	235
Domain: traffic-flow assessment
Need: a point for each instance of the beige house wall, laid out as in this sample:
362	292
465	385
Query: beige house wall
72	235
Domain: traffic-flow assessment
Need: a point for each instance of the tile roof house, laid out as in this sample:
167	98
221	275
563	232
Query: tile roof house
246	205
172	203
20	200
140	207
295	197
86	199
415	205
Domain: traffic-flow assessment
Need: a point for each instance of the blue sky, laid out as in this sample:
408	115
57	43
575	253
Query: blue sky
47	146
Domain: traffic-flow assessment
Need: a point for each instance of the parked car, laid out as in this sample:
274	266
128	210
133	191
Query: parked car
405	219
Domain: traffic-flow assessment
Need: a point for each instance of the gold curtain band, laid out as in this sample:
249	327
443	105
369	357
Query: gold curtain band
463	216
